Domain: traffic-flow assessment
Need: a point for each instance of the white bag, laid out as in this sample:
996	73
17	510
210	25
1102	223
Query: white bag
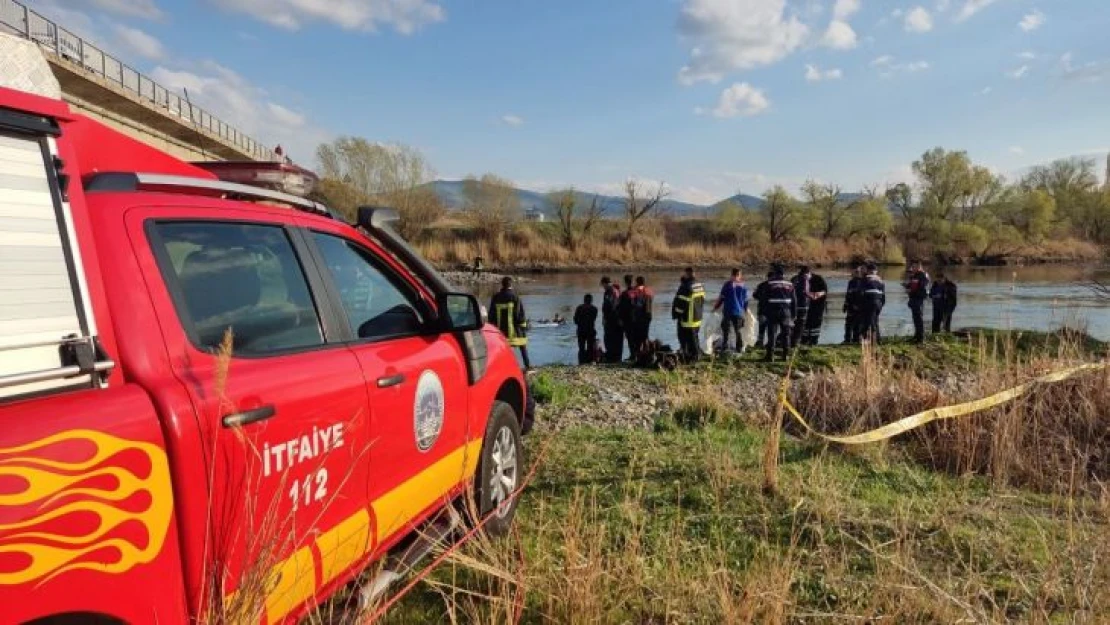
750	327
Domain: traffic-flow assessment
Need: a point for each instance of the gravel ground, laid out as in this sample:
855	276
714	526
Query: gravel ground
468	278
625	397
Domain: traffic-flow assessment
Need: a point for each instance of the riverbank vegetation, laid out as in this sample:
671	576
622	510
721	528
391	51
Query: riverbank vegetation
999	517
952	211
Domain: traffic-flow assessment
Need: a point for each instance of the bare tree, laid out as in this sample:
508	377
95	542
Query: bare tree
640	203
387	175
574	225
492	205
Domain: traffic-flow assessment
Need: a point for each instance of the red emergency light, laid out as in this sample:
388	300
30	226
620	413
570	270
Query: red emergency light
276	176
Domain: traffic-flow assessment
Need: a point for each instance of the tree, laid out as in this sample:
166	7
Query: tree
832	213
393	175
783	216
1072	183
339	196
869	217
492	205
945	179
734	224
639	203
573	225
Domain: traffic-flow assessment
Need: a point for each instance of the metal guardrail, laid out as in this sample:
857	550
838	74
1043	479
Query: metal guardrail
16	18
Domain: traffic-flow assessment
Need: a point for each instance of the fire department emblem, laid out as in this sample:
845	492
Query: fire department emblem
428	410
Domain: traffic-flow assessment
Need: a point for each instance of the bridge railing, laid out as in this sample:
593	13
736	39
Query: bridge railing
18	19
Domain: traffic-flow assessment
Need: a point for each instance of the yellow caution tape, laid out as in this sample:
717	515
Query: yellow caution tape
901	426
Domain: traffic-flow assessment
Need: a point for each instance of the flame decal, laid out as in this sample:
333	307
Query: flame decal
48	490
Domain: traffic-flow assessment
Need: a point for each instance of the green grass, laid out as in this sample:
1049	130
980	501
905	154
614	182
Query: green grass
660	514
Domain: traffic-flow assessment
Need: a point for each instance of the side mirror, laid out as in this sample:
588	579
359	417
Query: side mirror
460	312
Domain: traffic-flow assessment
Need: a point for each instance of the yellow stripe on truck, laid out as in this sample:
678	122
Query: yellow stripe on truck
349	540
342	545
395	509
295	583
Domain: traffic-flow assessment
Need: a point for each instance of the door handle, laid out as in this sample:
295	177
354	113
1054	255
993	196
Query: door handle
391	380
247	417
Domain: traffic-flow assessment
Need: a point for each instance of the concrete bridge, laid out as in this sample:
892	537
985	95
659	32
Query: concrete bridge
104	88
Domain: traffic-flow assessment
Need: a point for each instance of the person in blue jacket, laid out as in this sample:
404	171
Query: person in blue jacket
734	300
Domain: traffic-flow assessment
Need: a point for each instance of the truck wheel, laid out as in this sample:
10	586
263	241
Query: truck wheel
499	470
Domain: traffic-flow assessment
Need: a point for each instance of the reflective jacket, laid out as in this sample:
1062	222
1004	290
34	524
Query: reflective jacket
802	289
689	304
779	297
508	315
872	291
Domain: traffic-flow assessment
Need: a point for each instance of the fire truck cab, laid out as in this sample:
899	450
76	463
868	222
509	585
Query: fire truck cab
218	401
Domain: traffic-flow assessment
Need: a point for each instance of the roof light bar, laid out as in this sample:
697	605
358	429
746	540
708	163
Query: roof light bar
108	182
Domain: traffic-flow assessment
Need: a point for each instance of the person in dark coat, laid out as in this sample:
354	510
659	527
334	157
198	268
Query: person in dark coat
585	321
642	315
817	294
687	310
610	321
872	300
779	305
509	317
917	290
626	307
759	295
943	295
852	306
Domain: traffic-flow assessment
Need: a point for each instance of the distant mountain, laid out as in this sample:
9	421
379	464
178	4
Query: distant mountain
451	193
749	202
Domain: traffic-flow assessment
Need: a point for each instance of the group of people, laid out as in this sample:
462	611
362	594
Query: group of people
788	311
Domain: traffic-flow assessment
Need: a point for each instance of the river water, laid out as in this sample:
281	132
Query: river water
1034	298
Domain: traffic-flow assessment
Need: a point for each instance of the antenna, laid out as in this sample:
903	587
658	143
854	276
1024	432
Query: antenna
196	127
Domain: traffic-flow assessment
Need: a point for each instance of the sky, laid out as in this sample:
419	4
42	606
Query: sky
712	97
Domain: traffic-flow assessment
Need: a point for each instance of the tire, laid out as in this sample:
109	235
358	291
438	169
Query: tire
502	460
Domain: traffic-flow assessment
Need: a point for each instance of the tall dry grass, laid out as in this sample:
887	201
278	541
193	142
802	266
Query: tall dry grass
1056	438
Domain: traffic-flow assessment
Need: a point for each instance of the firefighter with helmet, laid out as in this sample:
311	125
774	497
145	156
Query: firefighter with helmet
509	317
687	309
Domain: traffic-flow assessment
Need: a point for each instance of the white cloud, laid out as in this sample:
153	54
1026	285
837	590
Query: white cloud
1028	55
1032	21
942	5
816	74
741	99
730	35
138	42
971	7
986	90
1017	149
405	16
512	120
1092	71
844	9
840	36
918	20
249	108
888	66
1018	73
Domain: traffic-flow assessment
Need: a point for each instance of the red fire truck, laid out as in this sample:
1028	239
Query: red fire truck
218	401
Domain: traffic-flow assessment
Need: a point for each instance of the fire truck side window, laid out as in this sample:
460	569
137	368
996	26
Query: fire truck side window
241	276
376	307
